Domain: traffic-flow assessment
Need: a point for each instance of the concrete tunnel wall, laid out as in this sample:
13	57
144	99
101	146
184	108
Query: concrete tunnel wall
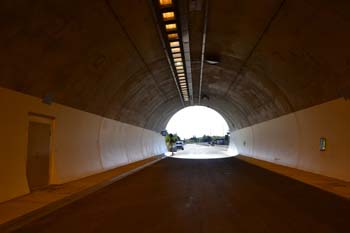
293	140
83	144
275	64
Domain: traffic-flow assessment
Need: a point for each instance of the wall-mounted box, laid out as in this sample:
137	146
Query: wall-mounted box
323	144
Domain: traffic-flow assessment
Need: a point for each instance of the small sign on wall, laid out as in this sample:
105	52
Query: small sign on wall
323	144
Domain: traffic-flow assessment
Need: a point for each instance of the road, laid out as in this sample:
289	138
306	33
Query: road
201	196
193	151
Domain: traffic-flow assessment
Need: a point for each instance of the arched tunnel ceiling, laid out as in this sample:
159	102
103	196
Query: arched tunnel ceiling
106	57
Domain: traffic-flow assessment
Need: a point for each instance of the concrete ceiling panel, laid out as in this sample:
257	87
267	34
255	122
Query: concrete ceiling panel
106	57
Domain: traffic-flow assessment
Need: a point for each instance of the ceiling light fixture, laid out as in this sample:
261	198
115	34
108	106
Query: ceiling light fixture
167	16
176	55
165	3
174	44
212	62
171	35
170	27
175	50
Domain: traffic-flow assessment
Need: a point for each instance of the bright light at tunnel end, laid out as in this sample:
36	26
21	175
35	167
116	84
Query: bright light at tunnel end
197	121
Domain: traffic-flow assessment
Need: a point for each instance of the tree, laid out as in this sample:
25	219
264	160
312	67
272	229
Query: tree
194	139
206	138
170	139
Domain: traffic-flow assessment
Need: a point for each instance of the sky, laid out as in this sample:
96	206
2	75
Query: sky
197	121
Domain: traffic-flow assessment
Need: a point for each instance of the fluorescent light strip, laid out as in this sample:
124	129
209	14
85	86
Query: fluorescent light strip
174	44
167	16
175	47
176	55
170	27
173	36
175	50
165	3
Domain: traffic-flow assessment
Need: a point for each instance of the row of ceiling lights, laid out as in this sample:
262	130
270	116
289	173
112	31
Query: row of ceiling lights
173	39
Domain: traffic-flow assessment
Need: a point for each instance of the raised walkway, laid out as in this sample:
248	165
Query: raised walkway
332	185
21	210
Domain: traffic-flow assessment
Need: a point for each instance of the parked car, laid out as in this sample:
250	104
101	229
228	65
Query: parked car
179	145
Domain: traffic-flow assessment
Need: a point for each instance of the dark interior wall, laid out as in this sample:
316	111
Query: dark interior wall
105	57
277	56
96	56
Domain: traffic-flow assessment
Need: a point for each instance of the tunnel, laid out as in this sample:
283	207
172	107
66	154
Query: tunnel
92	85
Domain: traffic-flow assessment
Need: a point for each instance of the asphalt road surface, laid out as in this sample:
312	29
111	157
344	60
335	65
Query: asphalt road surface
201	196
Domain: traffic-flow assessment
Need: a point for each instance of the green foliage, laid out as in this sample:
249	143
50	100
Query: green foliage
170	139
206	138
209	139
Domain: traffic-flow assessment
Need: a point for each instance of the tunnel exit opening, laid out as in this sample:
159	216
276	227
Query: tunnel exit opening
198	132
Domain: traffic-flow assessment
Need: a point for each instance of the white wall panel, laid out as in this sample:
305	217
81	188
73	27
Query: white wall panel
112	148
243	140
133	142
293	140
277	140
332	121
84	143
76	144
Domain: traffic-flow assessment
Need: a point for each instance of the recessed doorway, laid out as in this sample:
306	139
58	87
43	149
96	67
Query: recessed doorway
39	151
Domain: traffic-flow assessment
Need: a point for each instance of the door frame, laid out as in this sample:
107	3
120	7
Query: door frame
49	120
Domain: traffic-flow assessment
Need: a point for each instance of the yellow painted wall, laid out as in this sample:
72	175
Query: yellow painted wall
84	143
293	140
